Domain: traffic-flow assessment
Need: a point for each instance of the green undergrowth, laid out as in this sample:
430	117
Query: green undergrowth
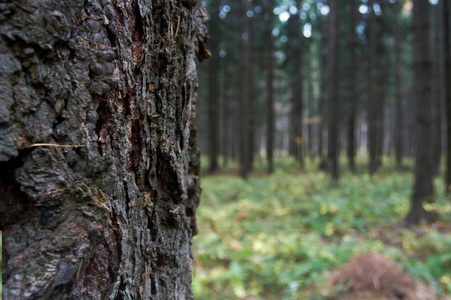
279	236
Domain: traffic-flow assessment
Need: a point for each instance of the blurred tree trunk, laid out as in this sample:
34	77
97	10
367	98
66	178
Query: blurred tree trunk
310	106
113	214
227	139
437	109
423	191
245	113
353	94
250	51
447	55
270	4
296	37
399	120
323	90
373	93
213	88
334	102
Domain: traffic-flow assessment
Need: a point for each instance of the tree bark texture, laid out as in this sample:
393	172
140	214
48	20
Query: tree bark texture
114	216
423	190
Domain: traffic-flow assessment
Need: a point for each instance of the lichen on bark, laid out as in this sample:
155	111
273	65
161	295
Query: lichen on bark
113	217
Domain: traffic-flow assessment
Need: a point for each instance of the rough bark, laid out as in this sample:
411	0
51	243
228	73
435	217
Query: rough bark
423	190
113	217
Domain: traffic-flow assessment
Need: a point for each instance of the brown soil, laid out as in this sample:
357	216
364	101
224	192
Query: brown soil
372	276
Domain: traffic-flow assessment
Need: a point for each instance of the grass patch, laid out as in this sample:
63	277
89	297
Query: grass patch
279	236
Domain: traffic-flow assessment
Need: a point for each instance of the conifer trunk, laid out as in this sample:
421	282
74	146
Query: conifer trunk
334	102
447	41
423	190
105	207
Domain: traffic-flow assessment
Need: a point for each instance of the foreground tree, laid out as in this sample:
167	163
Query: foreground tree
423	191
98	153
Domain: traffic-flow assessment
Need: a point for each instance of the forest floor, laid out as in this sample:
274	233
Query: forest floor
287	235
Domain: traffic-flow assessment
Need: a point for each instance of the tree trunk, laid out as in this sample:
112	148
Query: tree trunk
226	119
334	103
213	90
399	121
270	86
310	105
353	94
251	86
99	157
245	113
437	107
372	100
447	54
322	106
295	36
423	188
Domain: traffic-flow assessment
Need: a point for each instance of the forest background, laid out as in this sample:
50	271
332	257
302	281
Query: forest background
335	115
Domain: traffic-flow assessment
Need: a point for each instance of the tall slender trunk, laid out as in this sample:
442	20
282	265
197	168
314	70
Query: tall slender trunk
334	102
226	118
437	88
373	93
253	118
270	86
213	88
447	55
310	105
399	120
296	137
423	190
352	102
323	98
245	93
